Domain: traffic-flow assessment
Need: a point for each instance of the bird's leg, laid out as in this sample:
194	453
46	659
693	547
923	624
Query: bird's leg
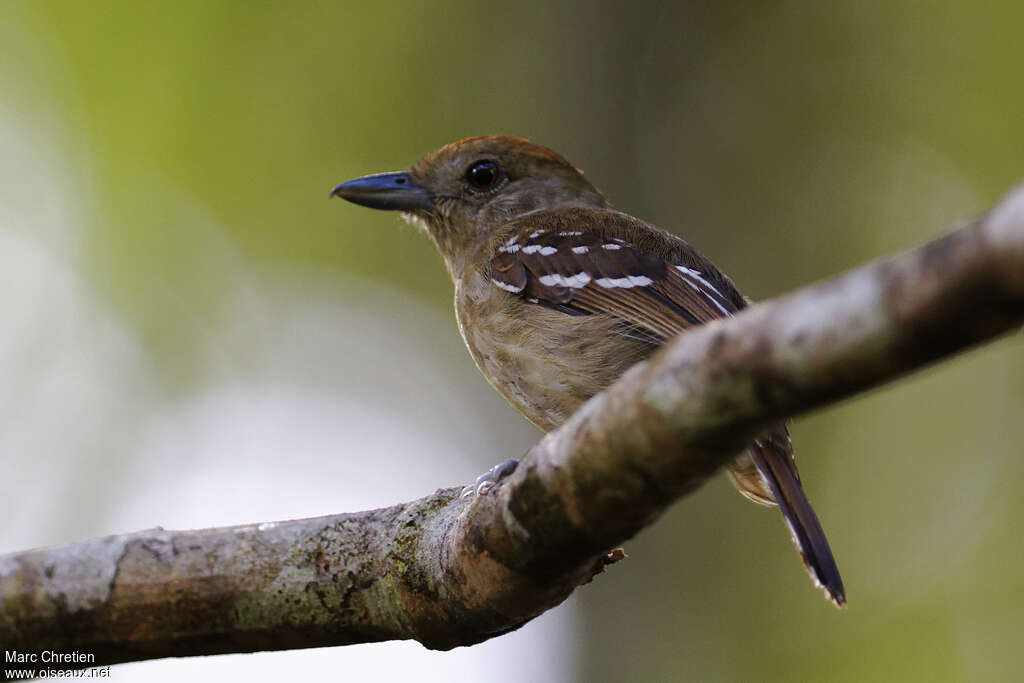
487	481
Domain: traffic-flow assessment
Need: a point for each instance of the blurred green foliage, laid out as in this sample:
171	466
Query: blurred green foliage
787	140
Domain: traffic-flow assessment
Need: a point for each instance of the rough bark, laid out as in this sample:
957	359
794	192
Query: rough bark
448	570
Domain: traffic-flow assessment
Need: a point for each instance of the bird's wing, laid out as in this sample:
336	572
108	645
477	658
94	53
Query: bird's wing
656	293
587	271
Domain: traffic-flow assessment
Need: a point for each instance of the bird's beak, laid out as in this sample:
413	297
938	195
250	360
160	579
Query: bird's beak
390	191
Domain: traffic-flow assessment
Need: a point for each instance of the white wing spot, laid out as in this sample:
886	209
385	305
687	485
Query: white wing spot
624	282
537	233
531	248
570	233
695	274
611	247
575	281
547	251
506	286
580	250
510	249
709	291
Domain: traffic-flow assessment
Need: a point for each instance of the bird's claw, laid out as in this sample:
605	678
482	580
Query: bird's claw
490	479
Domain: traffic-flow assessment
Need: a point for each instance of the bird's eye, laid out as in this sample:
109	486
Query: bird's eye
483	174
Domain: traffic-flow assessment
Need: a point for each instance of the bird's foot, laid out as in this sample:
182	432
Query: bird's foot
490	479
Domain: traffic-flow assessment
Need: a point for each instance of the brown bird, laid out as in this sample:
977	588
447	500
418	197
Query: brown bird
557	294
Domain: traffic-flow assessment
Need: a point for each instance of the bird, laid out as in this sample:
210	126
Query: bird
557	294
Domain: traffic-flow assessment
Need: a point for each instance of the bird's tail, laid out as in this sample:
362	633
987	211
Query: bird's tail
774	460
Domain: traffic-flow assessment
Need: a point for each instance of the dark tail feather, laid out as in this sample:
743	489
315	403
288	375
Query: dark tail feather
775	463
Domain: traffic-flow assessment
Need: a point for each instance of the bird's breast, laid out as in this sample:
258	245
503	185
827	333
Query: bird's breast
544	362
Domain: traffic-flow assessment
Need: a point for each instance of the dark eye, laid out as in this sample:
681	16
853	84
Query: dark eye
483	174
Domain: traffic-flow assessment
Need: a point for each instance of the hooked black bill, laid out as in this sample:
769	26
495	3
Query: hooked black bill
386	191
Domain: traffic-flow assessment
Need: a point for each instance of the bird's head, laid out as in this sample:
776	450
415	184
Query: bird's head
464	191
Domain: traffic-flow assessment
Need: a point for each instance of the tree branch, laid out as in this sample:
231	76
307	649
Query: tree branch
449	571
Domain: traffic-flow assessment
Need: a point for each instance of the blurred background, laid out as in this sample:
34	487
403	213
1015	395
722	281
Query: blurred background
192	335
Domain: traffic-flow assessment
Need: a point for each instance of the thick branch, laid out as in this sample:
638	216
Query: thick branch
451	571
